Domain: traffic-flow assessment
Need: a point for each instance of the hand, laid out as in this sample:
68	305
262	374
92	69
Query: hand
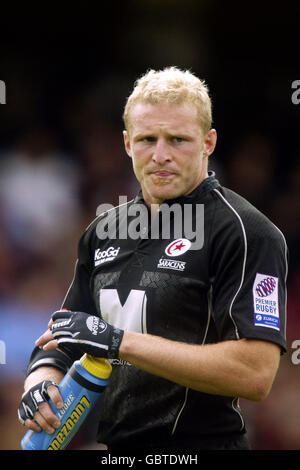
79	331
35	413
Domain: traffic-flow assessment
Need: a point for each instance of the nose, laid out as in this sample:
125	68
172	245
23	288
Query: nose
161	153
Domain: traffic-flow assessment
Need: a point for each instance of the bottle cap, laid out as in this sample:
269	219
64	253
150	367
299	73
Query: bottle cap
97	366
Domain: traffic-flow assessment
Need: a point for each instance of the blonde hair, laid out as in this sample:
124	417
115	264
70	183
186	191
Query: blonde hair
171	85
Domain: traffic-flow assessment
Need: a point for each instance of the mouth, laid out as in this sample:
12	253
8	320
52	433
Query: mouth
162	177
163	174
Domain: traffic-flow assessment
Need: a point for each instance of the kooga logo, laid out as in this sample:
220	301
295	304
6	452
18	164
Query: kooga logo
2	92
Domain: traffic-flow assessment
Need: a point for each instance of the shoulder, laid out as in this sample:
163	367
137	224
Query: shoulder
234	209
105	222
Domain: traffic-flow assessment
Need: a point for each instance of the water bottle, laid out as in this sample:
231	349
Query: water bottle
80	388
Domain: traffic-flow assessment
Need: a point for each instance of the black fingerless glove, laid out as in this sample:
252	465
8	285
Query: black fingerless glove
32	400
79	331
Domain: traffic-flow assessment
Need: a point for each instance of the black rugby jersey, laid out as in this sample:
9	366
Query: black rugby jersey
231	284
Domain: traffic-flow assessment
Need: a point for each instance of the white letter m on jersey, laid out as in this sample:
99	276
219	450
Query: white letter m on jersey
129	317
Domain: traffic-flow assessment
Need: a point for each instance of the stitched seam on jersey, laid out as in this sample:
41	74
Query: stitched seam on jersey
187	388
244	261
209	239
143	318
286	274
242	280
235	407
181	410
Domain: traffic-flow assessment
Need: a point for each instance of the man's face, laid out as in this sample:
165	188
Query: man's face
168	149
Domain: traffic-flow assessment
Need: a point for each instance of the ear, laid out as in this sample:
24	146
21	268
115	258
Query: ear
210	142
127	143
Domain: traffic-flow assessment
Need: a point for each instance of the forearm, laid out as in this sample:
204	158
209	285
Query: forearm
229	368
244	368
43	373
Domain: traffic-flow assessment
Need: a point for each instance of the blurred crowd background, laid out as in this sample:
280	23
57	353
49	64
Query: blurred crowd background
61	155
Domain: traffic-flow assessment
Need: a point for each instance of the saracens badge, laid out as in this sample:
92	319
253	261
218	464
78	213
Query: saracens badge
178	247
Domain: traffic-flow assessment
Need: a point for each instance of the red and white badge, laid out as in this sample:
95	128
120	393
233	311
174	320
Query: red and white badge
178	247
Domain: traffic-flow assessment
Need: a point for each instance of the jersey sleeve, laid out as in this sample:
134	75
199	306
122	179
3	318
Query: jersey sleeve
249	270
78	298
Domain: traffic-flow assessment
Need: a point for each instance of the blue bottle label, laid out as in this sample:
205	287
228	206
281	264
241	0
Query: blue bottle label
78	401
66	431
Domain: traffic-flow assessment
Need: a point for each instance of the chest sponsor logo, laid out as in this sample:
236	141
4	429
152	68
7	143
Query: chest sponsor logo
178	247
105	255
165	263
265	299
